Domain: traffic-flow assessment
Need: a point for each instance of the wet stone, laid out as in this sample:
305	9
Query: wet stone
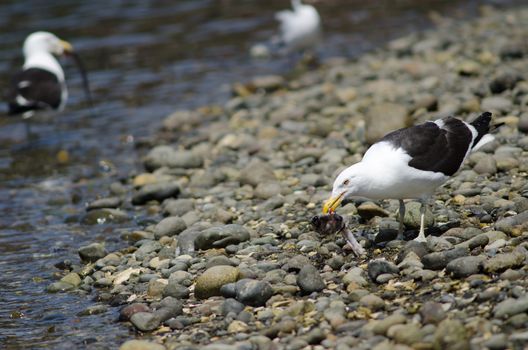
231	305
105	215
145	321
109	202
92	252
129	310
451	334
510	307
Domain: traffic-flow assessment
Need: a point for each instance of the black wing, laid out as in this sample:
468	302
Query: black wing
434	148
40	89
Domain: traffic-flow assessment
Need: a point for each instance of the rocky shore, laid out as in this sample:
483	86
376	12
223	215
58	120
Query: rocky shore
220	249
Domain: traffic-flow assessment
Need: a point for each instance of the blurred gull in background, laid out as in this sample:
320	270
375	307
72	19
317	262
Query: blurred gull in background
300	28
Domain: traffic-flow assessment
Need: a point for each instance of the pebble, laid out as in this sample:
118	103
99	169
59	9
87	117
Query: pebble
510	307
129	310
141	345
432	312
145	321
309	280
501	262
210	282
465	266
252	292
221	236
156	192
169	226
378	267
372	302
92	252
451	334
439	260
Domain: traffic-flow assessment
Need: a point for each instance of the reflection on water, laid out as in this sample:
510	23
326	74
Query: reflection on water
145	59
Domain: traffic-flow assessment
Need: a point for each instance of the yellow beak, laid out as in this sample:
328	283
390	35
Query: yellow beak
66	46
332	203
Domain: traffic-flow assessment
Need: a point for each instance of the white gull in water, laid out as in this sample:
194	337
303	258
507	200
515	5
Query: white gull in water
410	163
300	28
40	84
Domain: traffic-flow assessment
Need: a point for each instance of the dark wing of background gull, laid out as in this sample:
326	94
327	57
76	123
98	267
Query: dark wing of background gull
40	88
434	148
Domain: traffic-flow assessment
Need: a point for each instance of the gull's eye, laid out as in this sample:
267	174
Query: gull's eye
346	182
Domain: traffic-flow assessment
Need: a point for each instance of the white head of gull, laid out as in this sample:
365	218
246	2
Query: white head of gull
41	83
300	28
410	163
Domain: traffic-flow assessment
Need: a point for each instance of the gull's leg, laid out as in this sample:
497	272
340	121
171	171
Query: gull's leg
421	234
402	215
354	244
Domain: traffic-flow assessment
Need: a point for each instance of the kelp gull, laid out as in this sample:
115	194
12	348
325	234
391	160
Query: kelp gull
410	163
41	83
300	28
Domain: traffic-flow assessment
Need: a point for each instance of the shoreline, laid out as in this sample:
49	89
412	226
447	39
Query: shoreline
240	184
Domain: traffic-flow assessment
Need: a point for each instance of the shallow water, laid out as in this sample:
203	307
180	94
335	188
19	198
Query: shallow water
145	59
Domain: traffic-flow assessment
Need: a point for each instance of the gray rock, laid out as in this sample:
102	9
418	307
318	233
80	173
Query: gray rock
266	190
169	307
355	275
452	335
170	226
109	202
368	210
381	266
59	286
439	260
465	266
252	292
166	156
486	165
478	241
146	248
510	307
105	215
412	215
178	207
507	224
405	333
129	310
209	283
432	312
231	305
309	280
221	236
373	302
156	192
523	123
92	252
504	80
378	125
141	345
418	248
257	172
145	321
382	326
501	262
496	342
176	290
496	103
